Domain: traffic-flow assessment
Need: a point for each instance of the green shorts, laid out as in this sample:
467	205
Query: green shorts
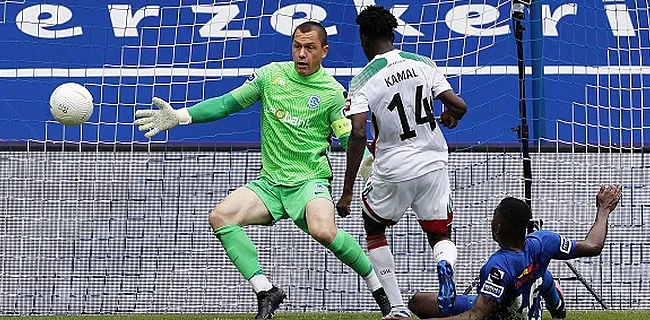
290	202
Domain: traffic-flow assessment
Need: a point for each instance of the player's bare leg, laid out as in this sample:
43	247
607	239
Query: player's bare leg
240	208
383	261
322	227
320	220
444	254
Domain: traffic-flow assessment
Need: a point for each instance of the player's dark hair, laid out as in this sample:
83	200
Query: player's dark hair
516	213
376	22
312	26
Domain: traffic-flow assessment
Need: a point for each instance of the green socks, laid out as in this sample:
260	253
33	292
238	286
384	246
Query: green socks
348	250
240	249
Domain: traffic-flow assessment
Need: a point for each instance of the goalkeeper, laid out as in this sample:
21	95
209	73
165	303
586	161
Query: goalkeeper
301	106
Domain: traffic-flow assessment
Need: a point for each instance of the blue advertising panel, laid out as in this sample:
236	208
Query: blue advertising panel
595	58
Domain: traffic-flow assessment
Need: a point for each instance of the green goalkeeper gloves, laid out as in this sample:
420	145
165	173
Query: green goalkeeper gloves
156	121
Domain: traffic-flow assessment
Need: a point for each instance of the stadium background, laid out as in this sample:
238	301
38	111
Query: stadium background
96	219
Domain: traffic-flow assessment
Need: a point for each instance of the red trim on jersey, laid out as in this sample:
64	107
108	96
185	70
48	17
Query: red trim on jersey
376	241
437	226
374	215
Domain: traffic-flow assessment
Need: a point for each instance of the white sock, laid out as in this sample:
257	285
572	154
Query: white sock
260	283
382	260
445	250
372	281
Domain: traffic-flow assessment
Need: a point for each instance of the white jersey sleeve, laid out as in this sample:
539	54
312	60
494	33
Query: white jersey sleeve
357	103
439	83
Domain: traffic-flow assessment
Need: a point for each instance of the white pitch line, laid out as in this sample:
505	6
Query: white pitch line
115	72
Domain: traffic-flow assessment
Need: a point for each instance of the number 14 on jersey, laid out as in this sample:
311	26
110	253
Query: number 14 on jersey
422	105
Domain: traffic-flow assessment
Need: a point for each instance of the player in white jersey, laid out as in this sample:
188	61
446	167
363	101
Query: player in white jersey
410	166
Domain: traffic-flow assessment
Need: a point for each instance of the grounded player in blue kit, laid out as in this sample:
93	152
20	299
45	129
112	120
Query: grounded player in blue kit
518	270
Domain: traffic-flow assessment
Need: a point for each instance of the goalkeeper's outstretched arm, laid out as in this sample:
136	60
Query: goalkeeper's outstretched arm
155	121
165	118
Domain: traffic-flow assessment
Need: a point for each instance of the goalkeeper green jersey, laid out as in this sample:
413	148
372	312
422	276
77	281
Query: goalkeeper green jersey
297	118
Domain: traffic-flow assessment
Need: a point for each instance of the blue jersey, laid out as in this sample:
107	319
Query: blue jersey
512	276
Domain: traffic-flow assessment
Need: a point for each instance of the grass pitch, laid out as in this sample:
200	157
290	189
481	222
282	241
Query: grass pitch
573	315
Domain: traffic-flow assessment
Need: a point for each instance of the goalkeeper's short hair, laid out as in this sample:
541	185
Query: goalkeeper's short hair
312	26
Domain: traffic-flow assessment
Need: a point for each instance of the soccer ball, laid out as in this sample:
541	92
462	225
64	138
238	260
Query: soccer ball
71	104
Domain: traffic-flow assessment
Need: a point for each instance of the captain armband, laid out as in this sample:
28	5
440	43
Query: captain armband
342	126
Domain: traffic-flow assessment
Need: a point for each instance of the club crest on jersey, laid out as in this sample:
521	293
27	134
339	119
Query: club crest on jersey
313	102
496	275
319	188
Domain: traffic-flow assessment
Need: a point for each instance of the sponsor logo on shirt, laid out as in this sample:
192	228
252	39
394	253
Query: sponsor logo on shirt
565	245
493	285
527	274
526	271
284	116
492	289
313	102
279	81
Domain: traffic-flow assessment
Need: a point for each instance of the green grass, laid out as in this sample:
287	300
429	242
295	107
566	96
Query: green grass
575	315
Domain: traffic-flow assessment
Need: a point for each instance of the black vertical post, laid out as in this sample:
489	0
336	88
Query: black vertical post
522	129
523	135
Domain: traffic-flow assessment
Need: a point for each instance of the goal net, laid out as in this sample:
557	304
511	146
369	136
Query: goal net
97	219
600	138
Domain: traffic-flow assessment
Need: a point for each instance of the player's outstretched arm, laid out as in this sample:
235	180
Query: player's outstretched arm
355	152
155	121
606	201
455	108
